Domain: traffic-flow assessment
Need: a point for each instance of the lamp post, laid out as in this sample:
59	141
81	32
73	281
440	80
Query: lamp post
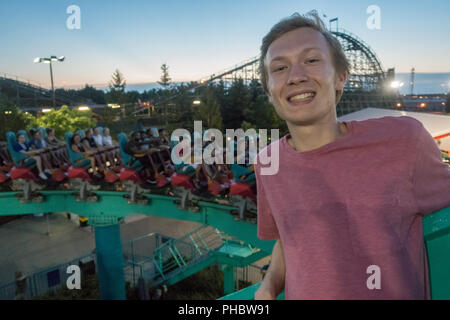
49	61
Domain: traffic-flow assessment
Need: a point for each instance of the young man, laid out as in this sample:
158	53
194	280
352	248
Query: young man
346	200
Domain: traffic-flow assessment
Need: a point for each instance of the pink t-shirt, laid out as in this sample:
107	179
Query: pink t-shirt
354	203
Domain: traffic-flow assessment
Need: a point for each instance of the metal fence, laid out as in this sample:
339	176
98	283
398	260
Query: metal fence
250	274
138	263
44	281
138	256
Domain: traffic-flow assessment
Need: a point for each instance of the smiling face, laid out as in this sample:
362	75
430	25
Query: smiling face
301	78
21	139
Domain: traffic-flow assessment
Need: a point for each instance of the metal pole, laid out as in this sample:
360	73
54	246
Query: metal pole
228	279
48	224
53	88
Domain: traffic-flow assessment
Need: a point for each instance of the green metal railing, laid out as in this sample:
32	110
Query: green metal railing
111	206
436	231
247	294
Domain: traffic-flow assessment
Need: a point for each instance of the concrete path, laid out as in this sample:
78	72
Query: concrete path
26	247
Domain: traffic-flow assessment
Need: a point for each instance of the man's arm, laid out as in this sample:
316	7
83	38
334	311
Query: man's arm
431	176
273	282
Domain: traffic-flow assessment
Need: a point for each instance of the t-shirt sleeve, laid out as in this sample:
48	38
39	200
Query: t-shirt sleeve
267	228
431	176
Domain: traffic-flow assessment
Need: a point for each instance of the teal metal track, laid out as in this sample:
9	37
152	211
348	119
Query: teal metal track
113	205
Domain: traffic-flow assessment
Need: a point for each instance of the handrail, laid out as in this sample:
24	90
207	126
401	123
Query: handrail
436	226
247	293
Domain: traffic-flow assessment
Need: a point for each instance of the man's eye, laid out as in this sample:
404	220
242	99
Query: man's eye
278	69
312	60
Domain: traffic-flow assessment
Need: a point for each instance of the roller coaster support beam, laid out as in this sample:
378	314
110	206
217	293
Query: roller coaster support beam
110	265
228	279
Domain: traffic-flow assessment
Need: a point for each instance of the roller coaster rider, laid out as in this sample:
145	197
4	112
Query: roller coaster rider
89	144
33	155
58	146
92	156
145	155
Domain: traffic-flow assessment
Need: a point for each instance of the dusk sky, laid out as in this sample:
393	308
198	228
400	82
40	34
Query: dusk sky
198	38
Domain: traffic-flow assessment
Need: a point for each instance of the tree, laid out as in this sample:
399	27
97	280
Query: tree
116	93
165	79
165	82
259	113
237	100
184	115
65	119
209	111
90	93
13	119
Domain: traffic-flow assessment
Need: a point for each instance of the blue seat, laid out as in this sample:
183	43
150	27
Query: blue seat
81	133
19	159
44	132
25	133
129	161
241	170
155	132
73	156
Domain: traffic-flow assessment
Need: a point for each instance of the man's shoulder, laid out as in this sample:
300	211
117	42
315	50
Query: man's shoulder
392	123
391	128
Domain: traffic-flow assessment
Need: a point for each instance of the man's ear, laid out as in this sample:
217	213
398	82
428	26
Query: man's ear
341	79
269	96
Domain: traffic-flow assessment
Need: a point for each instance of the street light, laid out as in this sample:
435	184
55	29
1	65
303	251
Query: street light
49	61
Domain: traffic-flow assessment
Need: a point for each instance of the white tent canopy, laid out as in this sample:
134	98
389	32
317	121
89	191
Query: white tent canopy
436	124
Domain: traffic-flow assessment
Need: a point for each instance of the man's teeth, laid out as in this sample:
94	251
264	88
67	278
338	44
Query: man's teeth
302	96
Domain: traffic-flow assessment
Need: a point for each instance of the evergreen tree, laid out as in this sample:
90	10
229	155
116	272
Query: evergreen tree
165	82
90	93
237	101
116	92
165	79
209	110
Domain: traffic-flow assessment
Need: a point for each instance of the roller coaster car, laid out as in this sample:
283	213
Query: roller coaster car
6	165
218	181
56	149
78	174
57	174
132	176
242	190
4	178
183	186
22	175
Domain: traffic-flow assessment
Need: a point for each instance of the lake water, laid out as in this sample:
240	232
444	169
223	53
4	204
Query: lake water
424	83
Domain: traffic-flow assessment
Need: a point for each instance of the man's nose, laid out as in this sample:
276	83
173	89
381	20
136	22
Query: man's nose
297	74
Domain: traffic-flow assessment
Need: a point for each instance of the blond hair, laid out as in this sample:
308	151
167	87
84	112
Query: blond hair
296	21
